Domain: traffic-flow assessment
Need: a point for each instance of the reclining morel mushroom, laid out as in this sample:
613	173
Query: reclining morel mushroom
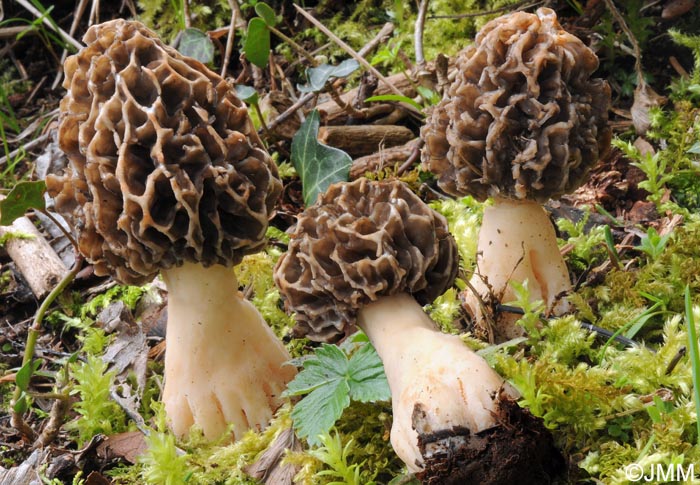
522	122
370	254
167	174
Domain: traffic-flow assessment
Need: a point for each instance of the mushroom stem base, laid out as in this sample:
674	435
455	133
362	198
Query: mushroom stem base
223	364
517	242
434	371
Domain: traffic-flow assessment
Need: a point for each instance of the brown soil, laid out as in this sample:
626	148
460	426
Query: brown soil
519	450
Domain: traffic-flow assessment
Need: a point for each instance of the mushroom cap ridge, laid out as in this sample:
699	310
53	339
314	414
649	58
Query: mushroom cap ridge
359	242
165	165
523	118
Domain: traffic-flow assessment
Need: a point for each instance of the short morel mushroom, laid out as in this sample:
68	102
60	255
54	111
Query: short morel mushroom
167	174
523	122
370	254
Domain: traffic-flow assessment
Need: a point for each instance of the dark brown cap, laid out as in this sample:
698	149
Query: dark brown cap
165	164
359	242
523	118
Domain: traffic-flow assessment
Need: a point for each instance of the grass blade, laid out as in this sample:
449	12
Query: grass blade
694	356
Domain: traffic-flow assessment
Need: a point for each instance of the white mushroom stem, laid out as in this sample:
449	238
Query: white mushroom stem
517	242
223	364
454	385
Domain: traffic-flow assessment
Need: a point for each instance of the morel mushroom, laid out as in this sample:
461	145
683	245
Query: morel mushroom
523	122
370	254
167	175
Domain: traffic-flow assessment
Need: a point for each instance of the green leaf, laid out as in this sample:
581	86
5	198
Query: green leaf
25	373
257	42
319	76
328	364
397	98
22	197
21	405
695	148
317	413
367	379
196	44
248	94
266	12
318	165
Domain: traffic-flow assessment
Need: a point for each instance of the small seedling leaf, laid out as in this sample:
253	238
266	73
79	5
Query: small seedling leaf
395	97
196	44
248	94
318	165
24	375
22	197
21	405
257	42
266	13
319	76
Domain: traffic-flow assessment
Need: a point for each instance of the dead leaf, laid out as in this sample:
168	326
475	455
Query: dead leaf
645	98
96	478
676	8
123	446
269	468
27	473
129	353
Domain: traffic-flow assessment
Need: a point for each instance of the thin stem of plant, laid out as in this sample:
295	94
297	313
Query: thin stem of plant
291	110
229	39
348	49
45	21
633	40
293	45
33	334
418	33
68	235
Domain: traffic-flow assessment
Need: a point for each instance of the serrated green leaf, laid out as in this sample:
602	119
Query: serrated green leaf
367	379
266	12
395	97
248	94
317	413
319	76
257	42
22	197
318	165
196	44
25	373
328	364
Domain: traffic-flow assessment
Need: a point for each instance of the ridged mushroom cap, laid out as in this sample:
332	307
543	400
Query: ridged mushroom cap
359	242
165	165
523	118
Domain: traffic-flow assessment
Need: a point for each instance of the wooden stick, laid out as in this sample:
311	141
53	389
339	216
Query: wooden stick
41	267
347	49
360	140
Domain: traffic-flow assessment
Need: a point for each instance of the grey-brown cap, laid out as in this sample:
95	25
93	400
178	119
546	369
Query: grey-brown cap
359	242
165	164
523	118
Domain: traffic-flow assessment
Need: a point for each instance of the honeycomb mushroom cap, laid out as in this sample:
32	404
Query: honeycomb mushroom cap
359	242
165	165
523	118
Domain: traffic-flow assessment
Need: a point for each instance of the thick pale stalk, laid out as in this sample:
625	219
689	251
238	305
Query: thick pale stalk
223	364
517	242
424	366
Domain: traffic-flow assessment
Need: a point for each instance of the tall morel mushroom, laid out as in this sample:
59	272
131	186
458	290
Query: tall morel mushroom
369	254
167	174
523	122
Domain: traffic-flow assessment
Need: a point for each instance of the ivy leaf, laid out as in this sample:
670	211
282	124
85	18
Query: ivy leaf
257	42
330	380
248	94
22	197
319	76
266	13
196	44
318	165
